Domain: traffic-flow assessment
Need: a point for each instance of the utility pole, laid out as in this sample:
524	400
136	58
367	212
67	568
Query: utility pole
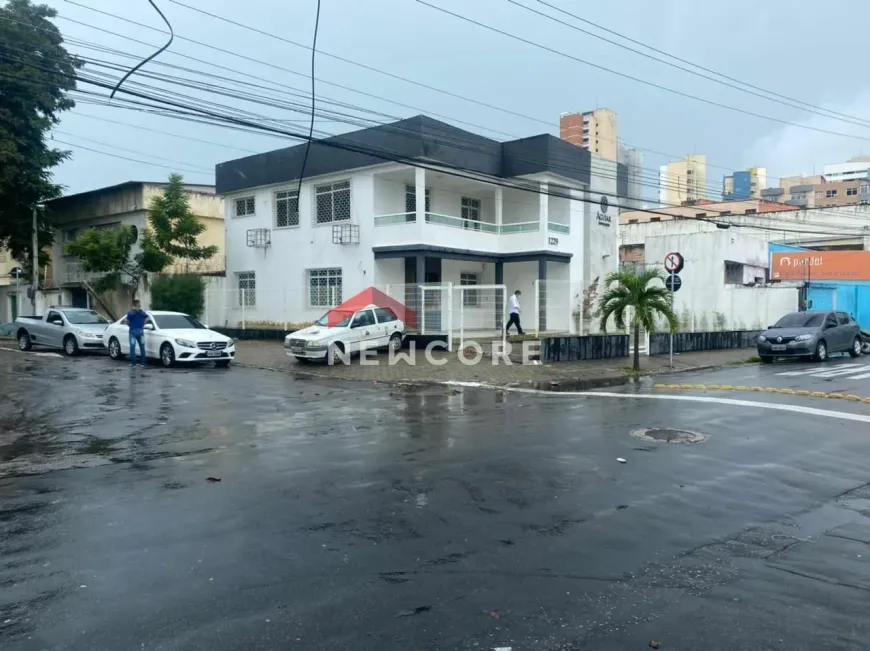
34	261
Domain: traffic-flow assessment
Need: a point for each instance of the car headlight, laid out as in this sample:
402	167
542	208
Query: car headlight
186	343
316	343
762	338
803	337
86	335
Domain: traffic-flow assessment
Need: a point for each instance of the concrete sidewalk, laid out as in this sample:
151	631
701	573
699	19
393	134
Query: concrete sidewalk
271	355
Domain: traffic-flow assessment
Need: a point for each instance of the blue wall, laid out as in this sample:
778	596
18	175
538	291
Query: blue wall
848	296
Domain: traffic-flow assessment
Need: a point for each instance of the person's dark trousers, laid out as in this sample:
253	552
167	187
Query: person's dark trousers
514	320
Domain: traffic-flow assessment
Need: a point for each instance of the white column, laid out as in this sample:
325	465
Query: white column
420	192
543	212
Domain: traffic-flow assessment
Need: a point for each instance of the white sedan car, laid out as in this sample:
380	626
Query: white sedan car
172	337
367	329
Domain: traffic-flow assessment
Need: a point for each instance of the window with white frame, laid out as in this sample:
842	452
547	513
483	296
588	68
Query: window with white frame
851	192
333	202
287	209
471	212
829	194
324	287
865	188
470	297
411	199
247	284
245	206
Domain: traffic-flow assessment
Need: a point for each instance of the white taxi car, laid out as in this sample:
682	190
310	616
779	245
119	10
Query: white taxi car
172	337
366	329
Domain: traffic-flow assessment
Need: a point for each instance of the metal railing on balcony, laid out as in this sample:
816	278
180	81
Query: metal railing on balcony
397	218
458	222
521	227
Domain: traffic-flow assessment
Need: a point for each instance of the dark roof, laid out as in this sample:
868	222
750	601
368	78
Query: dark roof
419	138
121	186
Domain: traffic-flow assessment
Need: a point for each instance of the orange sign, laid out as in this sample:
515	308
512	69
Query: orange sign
821	265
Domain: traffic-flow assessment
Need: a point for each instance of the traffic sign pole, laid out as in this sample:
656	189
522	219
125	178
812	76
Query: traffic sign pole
671	329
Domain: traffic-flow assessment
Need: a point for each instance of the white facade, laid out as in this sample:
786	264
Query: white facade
373	226
724	280
856	169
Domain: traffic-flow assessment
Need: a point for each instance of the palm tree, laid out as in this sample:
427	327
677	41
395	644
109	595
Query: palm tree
645	293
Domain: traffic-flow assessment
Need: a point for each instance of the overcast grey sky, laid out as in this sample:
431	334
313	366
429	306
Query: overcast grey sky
775	44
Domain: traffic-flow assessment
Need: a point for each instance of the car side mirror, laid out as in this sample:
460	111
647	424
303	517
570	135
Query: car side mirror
148	326
828	326
56	322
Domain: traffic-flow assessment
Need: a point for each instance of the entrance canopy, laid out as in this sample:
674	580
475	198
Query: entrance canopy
367	297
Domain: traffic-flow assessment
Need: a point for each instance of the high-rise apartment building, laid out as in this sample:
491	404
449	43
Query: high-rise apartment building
683	180
745	184
633	160
594	130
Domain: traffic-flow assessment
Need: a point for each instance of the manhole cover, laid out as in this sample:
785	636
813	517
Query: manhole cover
668	435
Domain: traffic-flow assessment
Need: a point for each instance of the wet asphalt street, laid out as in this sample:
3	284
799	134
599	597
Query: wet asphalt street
365	517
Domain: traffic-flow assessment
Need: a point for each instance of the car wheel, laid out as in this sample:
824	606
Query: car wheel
70	346
766	359
167	355
222	364
856	348
821	351
396	342
114	349
334	353
24	342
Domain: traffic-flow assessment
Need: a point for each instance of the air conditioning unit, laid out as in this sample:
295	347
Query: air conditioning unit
345	233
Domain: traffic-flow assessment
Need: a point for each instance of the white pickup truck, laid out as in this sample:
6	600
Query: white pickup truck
71	329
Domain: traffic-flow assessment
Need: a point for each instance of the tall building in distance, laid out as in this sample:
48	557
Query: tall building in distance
855	169
633	160
746	184
683	180
594	130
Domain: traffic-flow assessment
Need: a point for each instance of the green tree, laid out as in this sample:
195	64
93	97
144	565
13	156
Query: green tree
36	75
175	230
179	293
645	295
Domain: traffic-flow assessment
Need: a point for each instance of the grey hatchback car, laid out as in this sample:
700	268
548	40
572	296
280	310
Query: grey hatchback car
810	334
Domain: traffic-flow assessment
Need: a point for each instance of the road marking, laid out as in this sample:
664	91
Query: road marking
863	376
781	390
797	409
837	369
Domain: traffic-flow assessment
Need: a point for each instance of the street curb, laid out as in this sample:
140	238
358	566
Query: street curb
605	381
783	391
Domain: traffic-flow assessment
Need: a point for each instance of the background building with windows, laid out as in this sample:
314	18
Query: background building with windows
684	180
746	184
596	131
413	203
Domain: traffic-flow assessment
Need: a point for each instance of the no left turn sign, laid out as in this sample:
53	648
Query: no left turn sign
673	263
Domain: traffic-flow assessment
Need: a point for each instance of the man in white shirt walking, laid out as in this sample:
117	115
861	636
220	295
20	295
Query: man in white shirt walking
514	318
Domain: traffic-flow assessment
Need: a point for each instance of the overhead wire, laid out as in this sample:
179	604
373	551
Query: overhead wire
313	101
147	59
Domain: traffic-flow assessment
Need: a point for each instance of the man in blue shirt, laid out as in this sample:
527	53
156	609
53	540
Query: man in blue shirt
136	319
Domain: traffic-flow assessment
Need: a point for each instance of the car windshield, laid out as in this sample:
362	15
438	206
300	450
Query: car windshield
85	317
800	320
323	321
177	322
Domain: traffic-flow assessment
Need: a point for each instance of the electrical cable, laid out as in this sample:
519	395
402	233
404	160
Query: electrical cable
791	103
696	65
313	102
351	62
144	61
633	78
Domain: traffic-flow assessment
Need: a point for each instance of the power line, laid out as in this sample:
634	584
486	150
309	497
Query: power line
313	101
696	65
147	59
134	160
791	102
632	77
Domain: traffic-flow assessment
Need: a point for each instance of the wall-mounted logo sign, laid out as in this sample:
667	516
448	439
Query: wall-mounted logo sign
603	217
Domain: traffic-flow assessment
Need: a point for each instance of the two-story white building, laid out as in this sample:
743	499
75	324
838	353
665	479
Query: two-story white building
457	209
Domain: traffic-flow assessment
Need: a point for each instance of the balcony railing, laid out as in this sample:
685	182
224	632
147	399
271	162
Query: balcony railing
469	224
521	227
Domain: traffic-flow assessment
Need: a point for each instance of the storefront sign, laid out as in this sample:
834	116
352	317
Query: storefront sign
603	218
821	265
